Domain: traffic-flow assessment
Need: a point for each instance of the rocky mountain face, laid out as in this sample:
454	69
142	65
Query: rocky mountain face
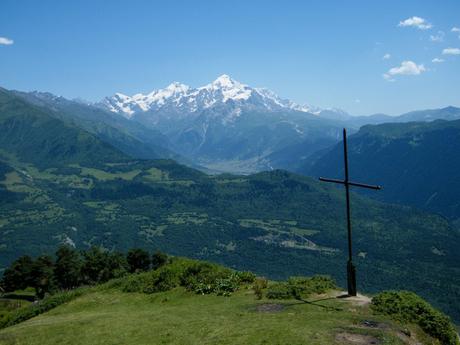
227	125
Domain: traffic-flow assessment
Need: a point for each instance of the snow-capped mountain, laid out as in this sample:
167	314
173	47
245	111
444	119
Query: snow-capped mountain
227	125
183	100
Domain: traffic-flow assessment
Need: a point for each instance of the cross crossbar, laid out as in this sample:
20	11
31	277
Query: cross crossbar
350	183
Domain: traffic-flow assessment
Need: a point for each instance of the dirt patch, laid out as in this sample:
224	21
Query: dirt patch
269	308
374	325
359	339
359	300
403	334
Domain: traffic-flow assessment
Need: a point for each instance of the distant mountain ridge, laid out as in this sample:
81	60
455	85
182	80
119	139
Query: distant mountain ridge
183	100
418	163
224	126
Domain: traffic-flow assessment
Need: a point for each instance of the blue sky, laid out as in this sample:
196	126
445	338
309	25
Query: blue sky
324	53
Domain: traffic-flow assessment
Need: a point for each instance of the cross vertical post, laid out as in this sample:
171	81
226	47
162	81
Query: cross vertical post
351	270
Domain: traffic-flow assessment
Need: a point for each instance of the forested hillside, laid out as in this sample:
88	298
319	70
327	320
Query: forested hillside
418	163
67	186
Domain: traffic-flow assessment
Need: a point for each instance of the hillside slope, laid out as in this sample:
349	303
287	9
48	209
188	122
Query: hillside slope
417	163
179	317
67	186
192	302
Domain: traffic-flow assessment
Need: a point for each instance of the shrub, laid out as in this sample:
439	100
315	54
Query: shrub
164	279
134	283
138	260
204	272
279	291
199	277
300	287
408	307
303	287
246	277
258	286
205	278
159	259
225	286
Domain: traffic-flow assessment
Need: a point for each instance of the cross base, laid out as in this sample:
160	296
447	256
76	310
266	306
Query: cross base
351	275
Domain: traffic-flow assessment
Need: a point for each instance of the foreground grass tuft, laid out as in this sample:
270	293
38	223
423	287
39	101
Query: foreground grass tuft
406	306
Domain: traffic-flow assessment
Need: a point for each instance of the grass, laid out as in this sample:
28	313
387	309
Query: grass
180	317
277	225
106	176
187	218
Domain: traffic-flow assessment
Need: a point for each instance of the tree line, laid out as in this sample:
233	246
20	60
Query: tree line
70	268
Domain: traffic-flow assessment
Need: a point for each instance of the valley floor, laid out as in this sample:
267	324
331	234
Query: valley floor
180	317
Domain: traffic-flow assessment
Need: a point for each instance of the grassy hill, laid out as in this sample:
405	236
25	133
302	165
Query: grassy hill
166	306
64	185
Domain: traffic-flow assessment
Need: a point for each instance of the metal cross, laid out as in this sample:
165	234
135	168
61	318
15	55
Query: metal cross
351	271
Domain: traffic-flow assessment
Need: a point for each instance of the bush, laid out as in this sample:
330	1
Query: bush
164	279
279	291
406	306
138	260
205	278
199	277
159	259
225	286
203	272
258	286
303	287
246	277
134	283
300	287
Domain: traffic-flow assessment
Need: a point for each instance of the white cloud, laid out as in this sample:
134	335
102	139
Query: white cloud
456	30
416	22
357	100
451	51
388	77
406	68
437	38
386	56
437	60
5	41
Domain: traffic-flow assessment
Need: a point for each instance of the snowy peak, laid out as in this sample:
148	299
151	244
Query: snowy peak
224	82
228	88
180	100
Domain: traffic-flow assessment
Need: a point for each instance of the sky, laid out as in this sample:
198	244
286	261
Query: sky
364	57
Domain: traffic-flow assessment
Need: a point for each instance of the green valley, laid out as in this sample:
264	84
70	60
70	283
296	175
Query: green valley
64	185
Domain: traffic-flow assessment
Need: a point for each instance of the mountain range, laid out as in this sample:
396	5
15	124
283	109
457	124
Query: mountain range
224	126
63	182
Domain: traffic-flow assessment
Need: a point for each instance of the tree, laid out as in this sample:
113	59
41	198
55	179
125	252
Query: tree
100	265
138	260
67	270
18	275
42	275
159	259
